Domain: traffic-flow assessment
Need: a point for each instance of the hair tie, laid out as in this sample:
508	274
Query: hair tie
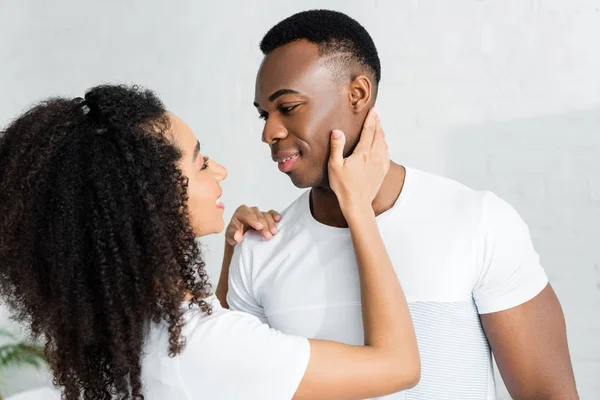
81	103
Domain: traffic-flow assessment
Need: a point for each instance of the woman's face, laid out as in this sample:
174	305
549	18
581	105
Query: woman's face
204	176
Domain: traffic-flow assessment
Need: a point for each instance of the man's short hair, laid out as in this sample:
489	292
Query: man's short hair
336	34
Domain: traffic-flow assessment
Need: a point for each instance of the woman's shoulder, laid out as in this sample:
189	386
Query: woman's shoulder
221	325
233	332
231	353
223	334
196	318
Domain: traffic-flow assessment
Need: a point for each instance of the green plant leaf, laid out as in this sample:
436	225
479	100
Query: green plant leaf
7	334
14	355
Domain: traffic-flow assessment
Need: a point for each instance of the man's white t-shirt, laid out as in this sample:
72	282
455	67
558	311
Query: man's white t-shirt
228	355
458	253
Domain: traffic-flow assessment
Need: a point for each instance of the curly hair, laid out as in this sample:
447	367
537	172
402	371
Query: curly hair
95	235
334	33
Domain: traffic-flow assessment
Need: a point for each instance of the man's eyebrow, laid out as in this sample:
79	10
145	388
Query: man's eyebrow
196	150
277	94
281	92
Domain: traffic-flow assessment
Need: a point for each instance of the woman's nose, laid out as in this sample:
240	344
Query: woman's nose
219	171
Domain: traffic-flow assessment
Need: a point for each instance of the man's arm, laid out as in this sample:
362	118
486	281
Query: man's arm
519	311
529	343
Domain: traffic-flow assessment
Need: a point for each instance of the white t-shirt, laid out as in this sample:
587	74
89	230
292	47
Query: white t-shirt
458	253
228	355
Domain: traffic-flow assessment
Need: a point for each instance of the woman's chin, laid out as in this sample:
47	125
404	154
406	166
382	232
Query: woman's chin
213	230
219	227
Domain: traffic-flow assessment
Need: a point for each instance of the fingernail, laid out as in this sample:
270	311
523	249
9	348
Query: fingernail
274	231
268	236
336	134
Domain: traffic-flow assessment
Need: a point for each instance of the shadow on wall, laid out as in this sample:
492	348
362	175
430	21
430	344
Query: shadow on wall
548	168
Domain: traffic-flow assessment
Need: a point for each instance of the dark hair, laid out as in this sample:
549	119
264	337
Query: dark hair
332	31
95	236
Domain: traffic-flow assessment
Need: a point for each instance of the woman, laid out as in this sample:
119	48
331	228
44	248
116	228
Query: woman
102	200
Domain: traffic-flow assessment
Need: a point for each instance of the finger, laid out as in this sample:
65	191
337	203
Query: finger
379	152
245	216
265	230
271	223
379	142
338	139
251	217
232	241
368	131
234	233
276	216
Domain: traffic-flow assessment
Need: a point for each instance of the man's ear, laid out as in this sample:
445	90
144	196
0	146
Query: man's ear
360	95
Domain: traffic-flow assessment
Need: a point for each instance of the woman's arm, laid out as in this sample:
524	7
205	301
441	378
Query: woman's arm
243	219
222	286
389	361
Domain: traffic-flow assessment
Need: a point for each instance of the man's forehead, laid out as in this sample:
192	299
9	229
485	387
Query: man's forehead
287	66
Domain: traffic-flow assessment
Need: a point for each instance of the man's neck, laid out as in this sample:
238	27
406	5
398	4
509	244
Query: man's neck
325	207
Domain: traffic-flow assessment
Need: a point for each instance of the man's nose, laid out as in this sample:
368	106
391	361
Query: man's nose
273	131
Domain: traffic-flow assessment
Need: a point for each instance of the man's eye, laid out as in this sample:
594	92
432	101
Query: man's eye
263	116
205	163
285	110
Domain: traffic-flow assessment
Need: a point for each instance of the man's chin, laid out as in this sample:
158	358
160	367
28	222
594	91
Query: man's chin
302	181
300	184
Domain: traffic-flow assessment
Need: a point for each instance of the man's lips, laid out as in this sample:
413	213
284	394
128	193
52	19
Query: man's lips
286	161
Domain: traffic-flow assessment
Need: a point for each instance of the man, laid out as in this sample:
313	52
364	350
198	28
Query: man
464	257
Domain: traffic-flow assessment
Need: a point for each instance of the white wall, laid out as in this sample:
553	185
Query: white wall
503	95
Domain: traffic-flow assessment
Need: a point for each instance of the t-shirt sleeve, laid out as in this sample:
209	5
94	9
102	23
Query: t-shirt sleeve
235	356
240	295
510	272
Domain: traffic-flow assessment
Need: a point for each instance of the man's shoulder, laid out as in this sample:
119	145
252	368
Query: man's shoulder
292	218
433	191
451	197
437	182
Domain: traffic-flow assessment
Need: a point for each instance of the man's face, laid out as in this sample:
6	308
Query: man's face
302	102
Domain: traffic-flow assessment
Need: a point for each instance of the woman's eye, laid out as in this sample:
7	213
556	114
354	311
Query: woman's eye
205	163
263	116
